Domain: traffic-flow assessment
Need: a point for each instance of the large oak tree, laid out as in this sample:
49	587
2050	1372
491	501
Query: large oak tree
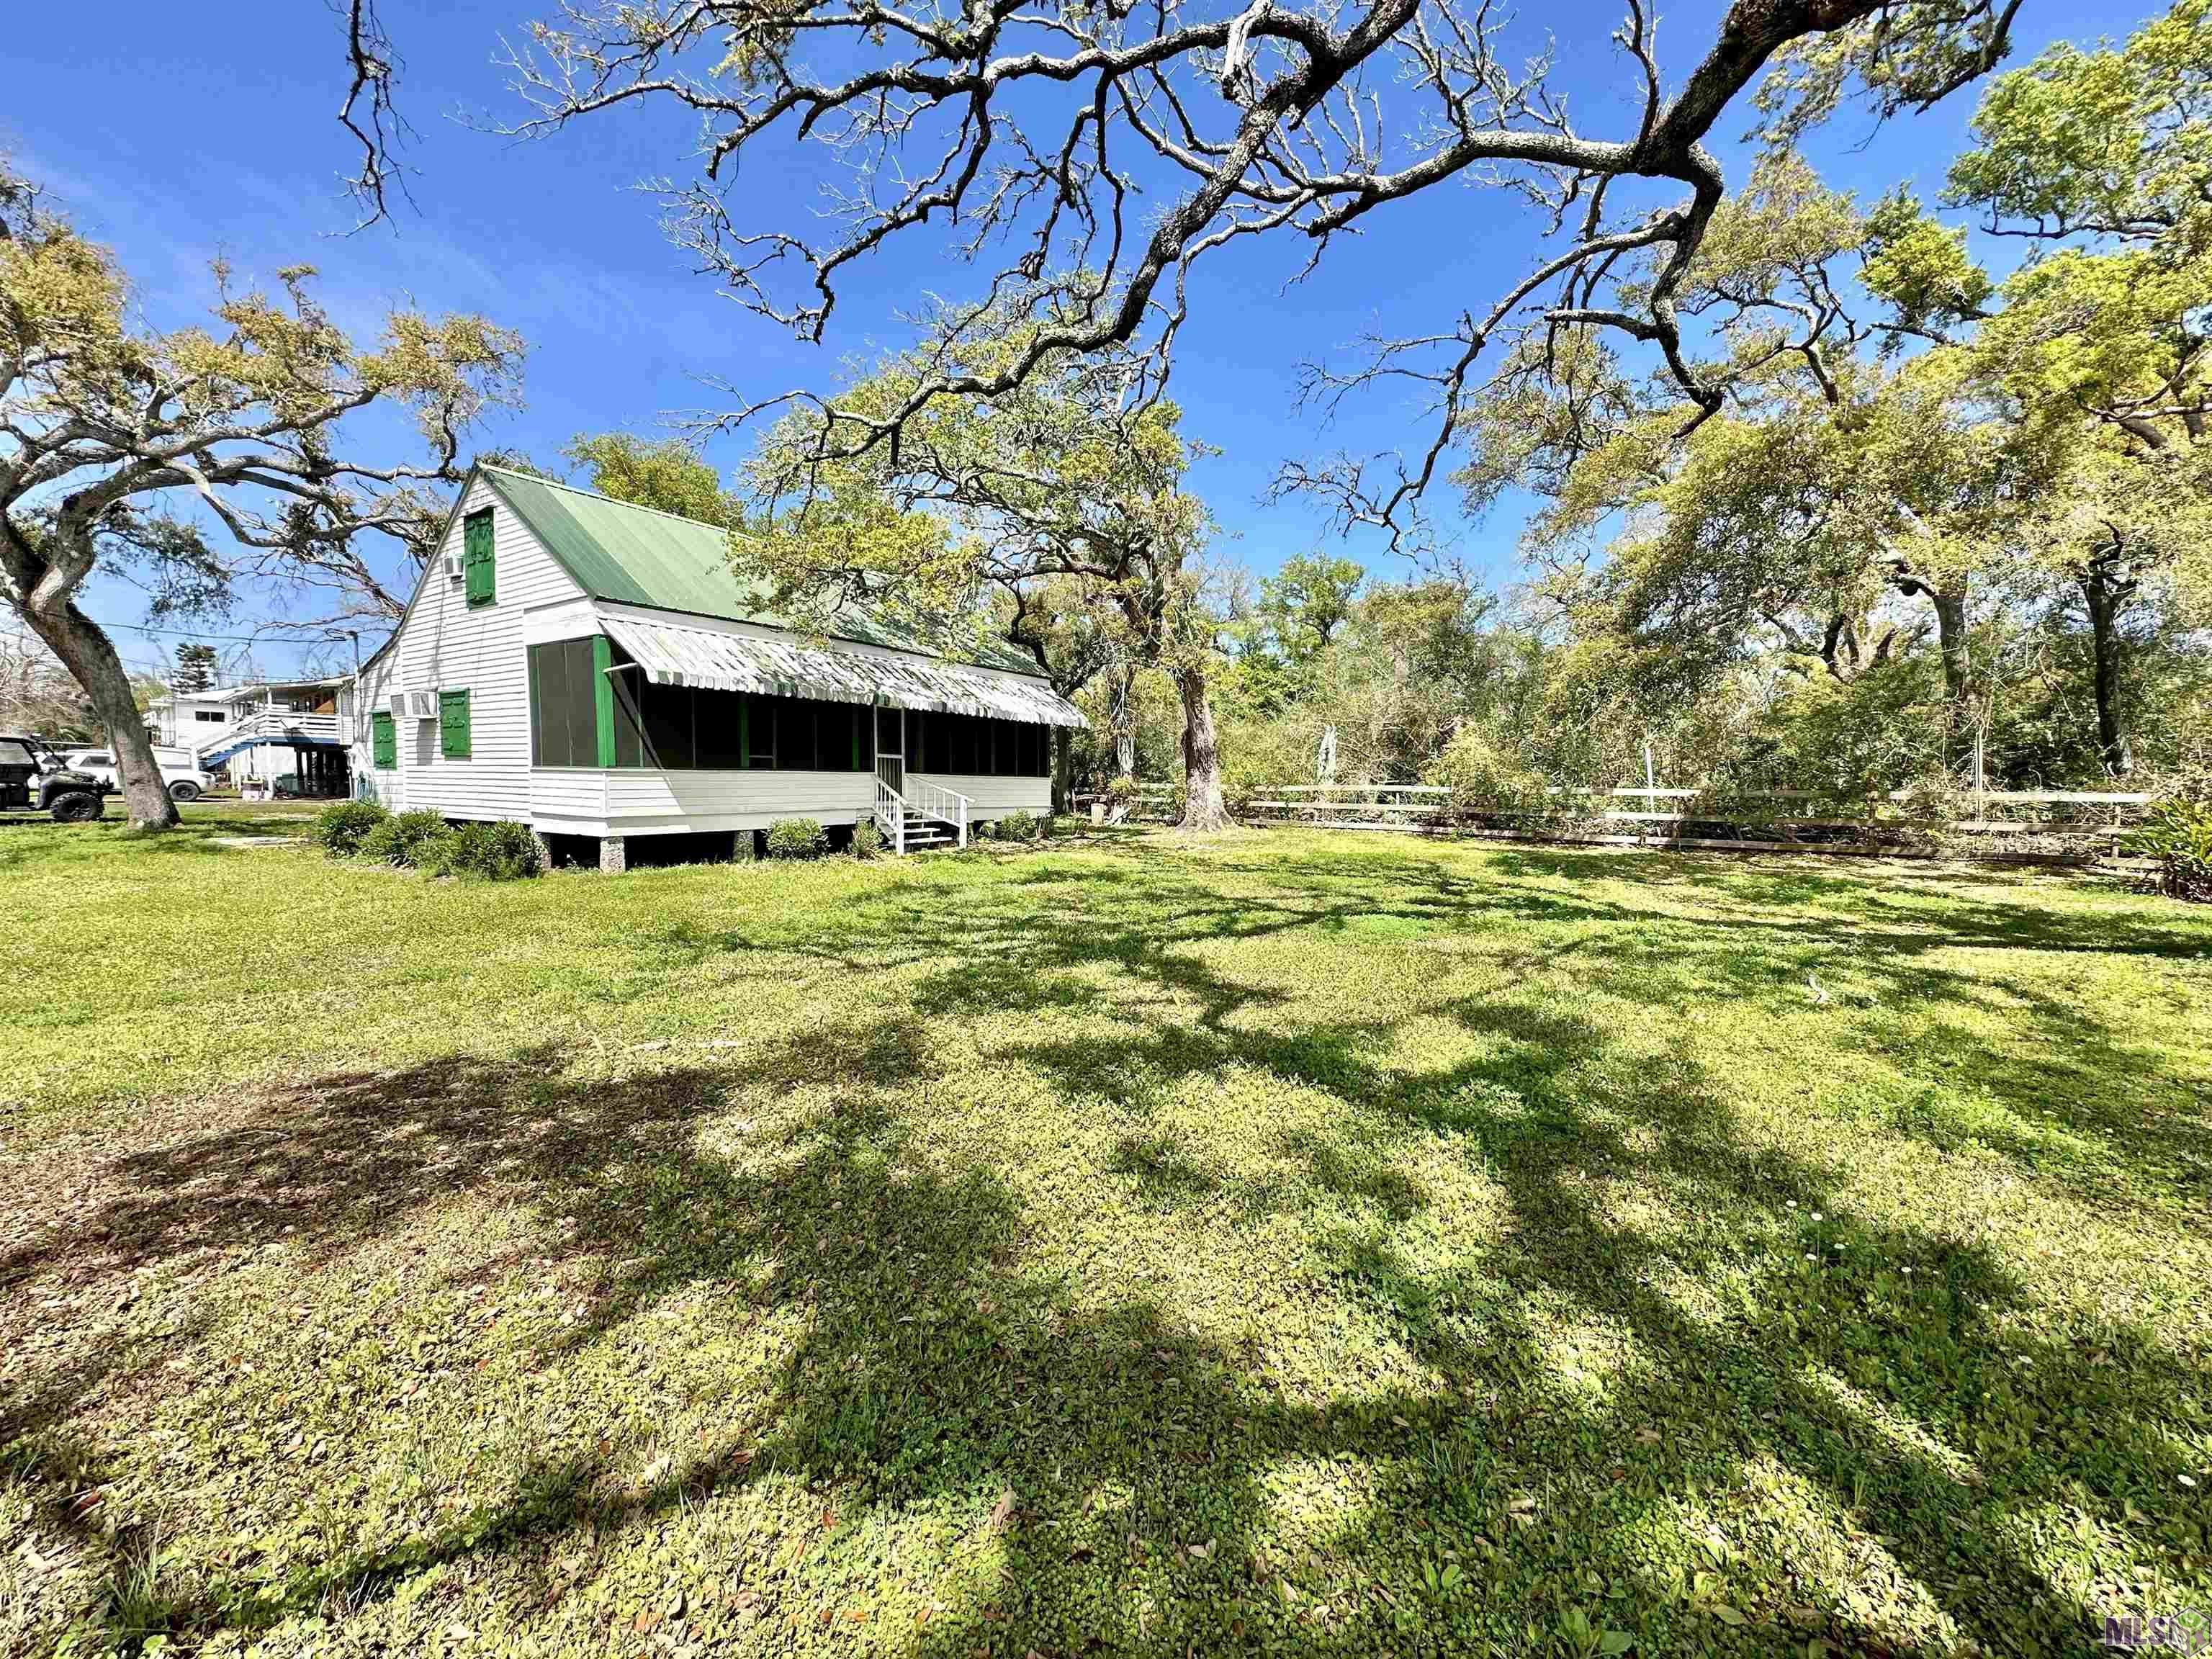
1035	138
120	441
1065	492
1899	422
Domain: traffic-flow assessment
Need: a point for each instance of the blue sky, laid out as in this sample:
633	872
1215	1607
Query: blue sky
174	141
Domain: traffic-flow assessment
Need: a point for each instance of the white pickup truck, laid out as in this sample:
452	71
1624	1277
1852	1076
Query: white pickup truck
180	770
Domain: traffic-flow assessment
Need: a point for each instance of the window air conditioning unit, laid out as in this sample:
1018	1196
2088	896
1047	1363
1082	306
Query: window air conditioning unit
452	566
421	705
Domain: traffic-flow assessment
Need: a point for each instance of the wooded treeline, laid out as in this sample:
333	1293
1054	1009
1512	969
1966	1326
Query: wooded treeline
1953	499
1435	681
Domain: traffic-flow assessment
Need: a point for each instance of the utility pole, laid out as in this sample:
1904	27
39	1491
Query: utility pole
353	772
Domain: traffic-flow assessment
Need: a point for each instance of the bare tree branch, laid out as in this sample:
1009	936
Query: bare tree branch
1024	128
370	114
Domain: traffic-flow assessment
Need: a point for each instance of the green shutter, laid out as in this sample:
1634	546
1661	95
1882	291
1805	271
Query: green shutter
384	743
476	558
454	724
603	695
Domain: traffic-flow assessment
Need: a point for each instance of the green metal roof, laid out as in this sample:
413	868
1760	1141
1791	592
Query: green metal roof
630	555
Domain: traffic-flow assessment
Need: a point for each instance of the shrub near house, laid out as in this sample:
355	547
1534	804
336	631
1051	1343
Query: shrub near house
340	828
425	841
397	839
796	838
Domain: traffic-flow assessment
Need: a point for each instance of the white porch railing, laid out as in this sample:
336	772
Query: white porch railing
276	726
895	805
934	800
890	811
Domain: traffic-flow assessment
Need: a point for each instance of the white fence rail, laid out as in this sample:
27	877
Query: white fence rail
1656	812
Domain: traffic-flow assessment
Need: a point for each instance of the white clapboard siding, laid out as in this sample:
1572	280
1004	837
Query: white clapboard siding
444	646
642	803
384	784
991	797
568	800
626	802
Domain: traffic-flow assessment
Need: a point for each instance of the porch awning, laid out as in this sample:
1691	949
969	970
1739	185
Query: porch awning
673	654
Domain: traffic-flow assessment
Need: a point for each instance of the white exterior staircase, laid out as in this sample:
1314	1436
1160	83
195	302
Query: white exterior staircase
923	832
914	816
282	726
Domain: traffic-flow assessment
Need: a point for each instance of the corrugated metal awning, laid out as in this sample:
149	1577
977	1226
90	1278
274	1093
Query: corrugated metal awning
672	654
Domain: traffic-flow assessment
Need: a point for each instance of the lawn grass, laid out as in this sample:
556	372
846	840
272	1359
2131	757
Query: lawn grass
1284	1242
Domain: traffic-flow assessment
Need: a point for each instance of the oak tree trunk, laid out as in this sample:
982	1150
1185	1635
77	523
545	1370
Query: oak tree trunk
1125	725
1202	806
1947	596
1063	768
89	655
2106	594
1949	602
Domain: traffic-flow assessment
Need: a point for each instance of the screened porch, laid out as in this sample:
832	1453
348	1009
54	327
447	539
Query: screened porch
592	705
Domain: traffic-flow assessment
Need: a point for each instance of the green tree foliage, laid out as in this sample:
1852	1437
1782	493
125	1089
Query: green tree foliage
196	667
1911	448
1306	601
1941	513
1066	482
2104	142
110	426
1411	666
1072	640
1272	644
667	474
1135	728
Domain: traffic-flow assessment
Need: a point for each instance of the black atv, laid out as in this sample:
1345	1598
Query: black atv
32	778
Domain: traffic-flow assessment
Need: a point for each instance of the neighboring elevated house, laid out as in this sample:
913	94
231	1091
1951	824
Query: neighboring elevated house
596	671
270	731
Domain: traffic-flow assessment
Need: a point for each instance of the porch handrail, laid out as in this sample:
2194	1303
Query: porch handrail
935	800
277	723
890	812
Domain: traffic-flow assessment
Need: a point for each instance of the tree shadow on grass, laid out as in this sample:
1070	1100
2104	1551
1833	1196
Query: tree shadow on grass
1898	1371
1761	894
1741	950
1633	1399
2076	1421
84	847
2045	1097
925	1364
1115	1465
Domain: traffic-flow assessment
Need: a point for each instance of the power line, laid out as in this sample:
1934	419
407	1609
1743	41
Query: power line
332	637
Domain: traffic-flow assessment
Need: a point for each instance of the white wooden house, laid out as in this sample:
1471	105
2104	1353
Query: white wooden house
596	671
282	733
